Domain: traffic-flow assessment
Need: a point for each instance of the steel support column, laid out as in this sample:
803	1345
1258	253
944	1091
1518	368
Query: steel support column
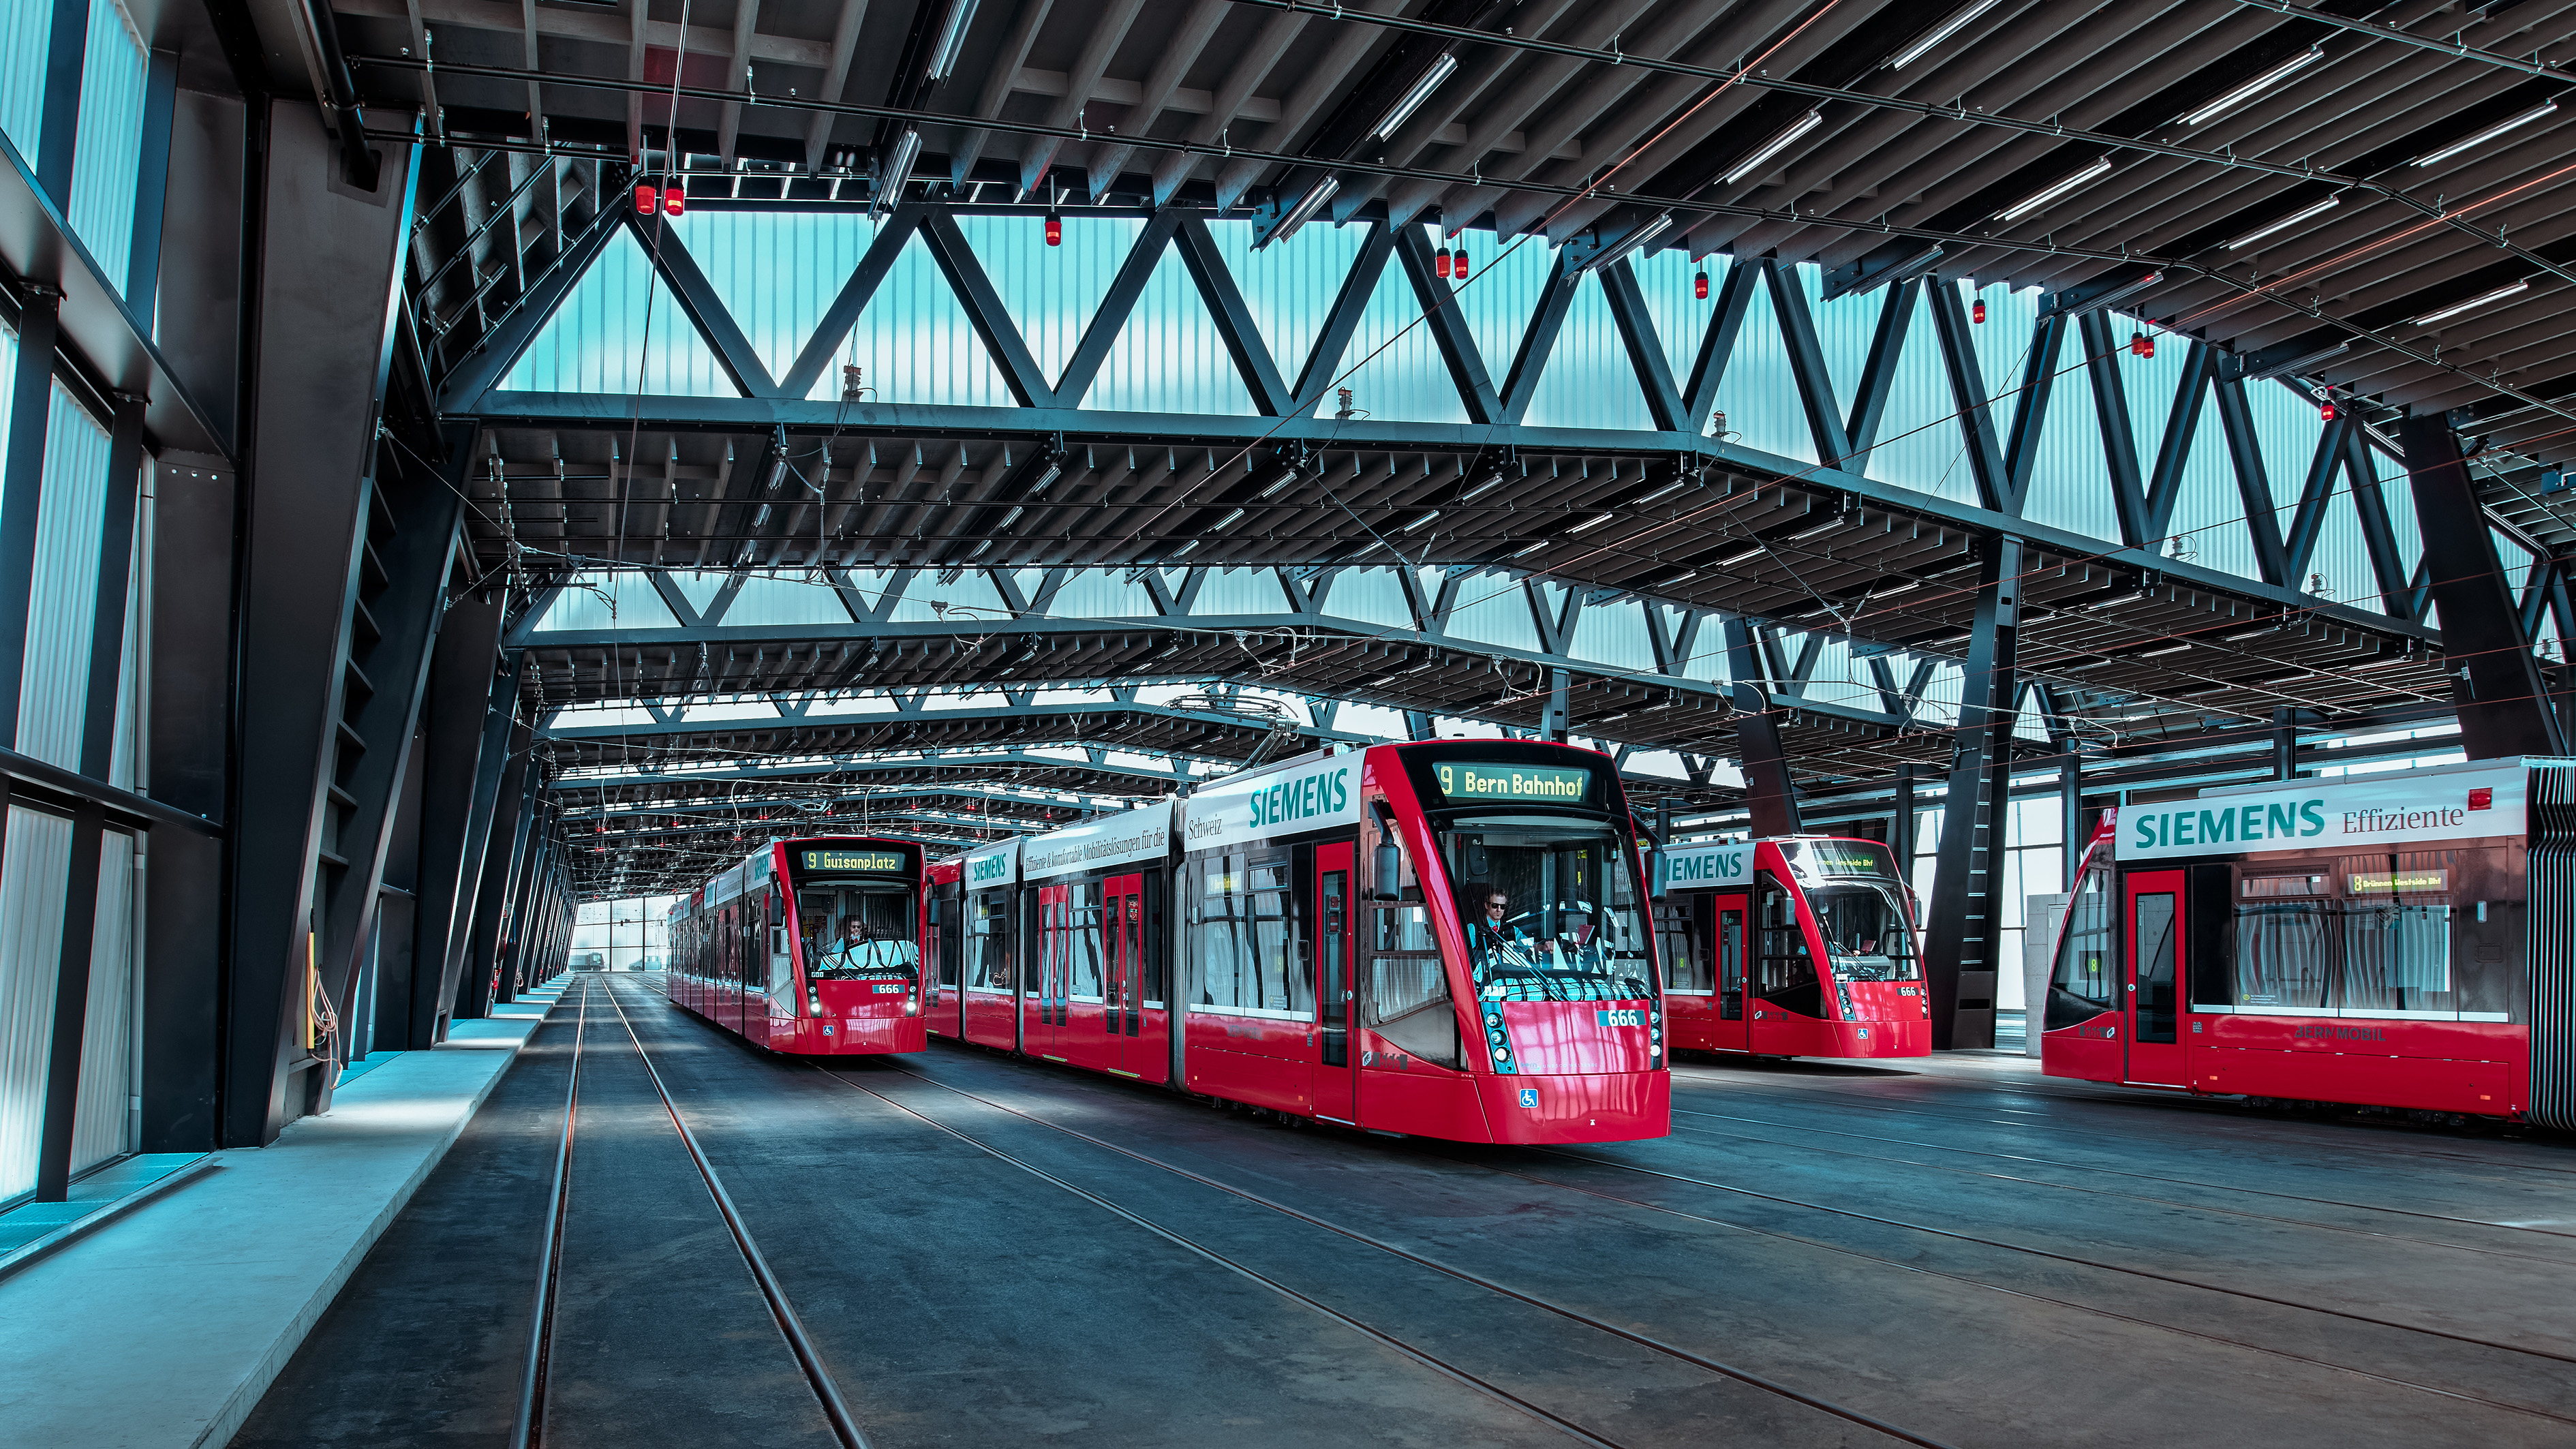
414	559
2503	702
463	696
2285	744
1769	793
321	361
1963	936
71	1010
31	391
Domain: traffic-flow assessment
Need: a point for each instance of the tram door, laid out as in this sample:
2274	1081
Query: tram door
2155	999
1336	1080
1726	942
1122	921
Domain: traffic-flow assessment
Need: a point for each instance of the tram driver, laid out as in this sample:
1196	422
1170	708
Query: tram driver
866	951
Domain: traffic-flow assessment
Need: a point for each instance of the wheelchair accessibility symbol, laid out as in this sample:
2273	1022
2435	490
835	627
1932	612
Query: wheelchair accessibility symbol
1529	1096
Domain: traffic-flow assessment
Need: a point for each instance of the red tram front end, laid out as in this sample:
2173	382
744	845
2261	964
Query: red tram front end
1444	939
1799	946
809	947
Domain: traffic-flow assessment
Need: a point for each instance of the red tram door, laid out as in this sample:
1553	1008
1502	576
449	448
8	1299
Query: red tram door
1336	1080
1122	925
1729	1032
2155	913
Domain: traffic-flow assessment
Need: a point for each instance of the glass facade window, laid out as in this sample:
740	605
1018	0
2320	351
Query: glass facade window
632	933
107	150
26	32
62	607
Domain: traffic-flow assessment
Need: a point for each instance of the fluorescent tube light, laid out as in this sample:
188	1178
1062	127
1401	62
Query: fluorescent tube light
1047	479
2100	168
1230	519
2168	649
1533	548
1675	486
1938	33
1307	205
952	38
1828	526
1013	516
897	173
1285	479
2471	305
2489	134
1419	522
2285	223
2255	87
1756	551
1481	489
1594	521
1773	147
1402	111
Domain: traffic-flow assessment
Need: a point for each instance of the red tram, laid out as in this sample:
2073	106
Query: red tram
807	946
1447	939
1798	946
2401	941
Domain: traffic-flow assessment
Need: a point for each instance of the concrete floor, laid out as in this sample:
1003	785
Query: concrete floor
989	1251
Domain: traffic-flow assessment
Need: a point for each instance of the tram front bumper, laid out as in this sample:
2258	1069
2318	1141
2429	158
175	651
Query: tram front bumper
1600	1107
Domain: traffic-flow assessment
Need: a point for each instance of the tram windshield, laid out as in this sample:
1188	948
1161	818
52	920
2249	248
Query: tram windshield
858	932
1865	934
1551	910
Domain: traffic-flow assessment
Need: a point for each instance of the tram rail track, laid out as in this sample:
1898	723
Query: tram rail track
2153	1325
2205	1114
1647	1341
2143	1177
529	1423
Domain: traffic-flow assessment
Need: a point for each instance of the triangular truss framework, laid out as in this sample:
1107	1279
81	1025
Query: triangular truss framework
1997	438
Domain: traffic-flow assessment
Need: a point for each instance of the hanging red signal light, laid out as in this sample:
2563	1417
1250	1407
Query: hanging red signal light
1977	313
2326	412
1699	286
1055	231
1440	262
675	201
646	200
1458	266
2141	345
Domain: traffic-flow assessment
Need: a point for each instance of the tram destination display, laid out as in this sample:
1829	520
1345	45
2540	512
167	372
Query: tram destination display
1475	780
849	862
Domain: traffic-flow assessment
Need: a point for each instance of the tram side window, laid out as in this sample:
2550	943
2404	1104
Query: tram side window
1251	936
1686	962
1785	974
2087	965
2433	931
988	927
1070	924
1405	993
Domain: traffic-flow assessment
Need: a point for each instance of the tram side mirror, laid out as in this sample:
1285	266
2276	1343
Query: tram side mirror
1386	876
938	911
1477	866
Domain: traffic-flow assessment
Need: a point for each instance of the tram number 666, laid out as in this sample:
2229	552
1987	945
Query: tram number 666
1629	1017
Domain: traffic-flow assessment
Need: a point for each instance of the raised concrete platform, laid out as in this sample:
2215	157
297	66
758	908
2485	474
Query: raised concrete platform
163	1328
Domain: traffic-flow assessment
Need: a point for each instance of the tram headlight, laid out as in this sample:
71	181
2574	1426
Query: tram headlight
1502	1053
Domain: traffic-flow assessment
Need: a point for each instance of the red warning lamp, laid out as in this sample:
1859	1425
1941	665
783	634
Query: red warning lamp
1440	262
1699	286
1977	313
646	200
1055	231
2141	345
2326	412
675	200
1458	265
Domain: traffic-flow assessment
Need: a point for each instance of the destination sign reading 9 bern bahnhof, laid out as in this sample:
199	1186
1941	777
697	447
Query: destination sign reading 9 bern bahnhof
1465	781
